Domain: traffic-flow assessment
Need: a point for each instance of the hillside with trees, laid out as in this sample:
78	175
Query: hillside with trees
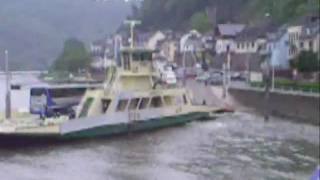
306	61
181	14
73	58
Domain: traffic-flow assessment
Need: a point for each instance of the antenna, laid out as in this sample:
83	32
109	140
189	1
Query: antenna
132	24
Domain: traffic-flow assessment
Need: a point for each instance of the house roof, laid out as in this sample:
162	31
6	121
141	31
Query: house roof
250	34
230	29
276	35
310	32
253	33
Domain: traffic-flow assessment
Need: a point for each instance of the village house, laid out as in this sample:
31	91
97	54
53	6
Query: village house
154	39
309	39
278	48
164	42
250	40
103	51
191	42
148	39
304	35
294	36
169	48
225	37
208	41
247	44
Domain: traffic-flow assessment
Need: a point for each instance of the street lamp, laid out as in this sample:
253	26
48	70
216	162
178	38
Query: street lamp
226	67
266	56
8	85
267	15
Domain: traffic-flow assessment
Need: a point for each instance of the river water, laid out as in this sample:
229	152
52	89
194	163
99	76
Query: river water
239	146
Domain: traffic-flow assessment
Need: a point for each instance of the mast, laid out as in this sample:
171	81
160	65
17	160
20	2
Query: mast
8	85
132	24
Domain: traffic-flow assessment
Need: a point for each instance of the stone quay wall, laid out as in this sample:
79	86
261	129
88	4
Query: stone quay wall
296	106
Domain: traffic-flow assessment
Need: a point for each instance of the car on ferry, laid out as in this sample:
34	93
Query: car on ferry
168	76
49	101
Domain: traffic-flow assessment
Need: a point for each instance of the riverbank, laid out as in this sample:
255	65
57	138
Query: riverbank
292	105
298	107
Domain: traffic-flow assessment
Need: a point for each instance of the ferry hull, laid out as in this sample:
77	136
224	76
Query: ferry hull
137	126
21	140
102	131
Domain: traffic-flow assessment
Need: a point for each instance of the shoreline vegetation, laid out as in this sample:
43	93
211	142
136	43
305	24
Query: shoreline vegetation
287	84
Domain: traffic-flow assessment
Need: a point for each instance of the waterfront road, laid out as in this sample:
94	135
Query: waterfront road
201	93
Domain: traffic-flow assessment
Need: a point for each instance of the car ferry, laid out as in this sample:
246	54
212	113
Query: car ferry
132	99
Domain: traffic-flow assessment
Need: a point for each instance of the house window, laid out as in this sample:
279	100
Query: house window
156	102
228	48
122	105
134	104
126	61
105	103
311	45
185	100
144	103
252	44
86	106
301	45
168	100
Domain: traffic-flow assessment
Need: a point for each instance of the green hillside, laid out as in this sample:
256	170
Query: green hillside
181	14
34	30
282	11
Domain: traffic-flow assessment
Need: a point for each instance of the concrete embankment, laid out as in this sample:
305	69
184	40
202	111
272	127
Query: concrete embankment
204	95
296	106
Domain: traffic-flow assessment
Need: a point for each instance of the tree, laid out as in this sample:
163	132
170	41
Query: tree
201	22
306	61
163	14
73	57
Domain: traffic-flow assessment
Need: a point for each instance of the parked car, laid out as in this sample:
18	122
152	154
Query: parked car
168	76
216	72
216	79
203	77
238	77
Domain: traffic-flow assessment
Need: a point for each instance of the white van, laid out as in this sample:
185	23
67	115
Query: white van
168	76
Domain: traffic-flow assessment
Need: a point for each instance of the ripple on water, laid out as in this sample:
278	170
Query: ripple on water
239	146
